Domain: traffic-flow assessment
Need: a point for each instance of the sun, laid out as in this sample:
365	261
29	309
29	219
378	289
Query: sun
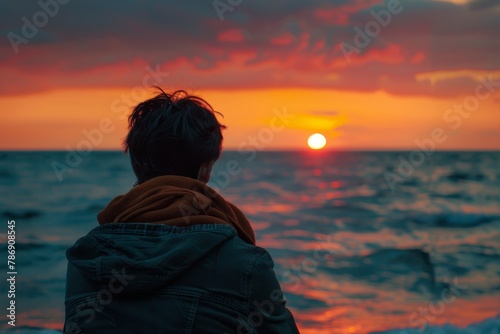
316	141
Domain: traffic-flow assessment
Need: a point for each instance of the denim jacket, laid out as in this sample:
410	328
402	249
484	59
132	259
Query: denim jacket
153	278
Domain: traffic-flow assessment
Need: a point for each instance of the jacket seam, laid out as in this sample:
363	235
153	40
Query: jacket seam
152	229
209	296
248	279
192	315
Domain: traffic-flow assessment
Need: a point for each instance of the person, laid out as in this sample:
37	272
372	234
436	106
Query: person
172	255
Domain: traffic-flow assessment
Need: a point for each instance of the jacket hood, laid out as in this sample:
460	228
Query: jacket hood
176	201
144	257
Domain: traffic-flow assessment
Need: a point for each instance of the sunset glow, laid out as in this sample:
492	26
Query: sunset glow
391	91
352	171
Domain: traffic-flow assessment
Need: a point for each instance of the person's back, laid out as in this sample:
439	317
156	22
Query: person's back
171	255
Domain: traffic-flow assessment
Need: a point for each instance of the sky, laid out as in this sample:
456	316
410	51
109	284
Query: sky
368	74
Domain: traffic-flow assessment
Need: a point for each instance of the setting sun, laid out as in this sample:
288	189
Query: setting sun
316	141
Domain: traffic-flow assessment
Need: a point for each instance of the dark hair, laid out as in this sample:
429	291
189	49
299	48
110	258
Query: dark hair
172	134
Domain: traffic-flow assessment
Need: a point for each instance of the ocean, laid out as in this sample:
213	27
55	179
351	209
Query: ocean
363	242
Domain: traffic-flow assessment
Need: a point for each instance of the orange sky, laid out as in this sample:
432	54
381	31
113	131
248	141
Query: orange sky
377	120
412	77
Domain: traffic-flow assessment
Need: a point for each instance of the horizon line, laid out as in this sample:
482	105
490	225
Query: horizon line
277	150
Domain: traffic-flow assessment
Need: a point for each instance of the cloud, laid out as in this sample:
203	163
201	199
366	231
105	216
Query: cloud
483	4
258	44
231	35
477	76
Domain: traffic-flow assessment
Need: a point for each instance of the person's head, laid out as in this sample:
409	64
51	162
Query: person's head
173	134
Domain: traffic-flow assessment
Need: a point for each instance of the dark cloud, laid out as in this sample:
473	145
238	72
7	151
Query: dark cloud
483	4
278	44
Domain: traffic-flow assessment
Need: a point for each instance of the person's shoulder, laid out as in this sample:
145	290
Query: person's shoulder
238	255
242	247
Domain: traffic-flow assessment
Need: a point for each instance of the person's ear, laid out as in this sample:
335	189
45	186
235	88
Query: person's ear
205	171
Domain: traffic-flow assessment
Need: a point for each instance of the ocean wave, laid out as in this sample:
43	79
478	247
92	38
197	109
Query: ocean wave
390	265
45	249
5	174
460	176
454	219
22	214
